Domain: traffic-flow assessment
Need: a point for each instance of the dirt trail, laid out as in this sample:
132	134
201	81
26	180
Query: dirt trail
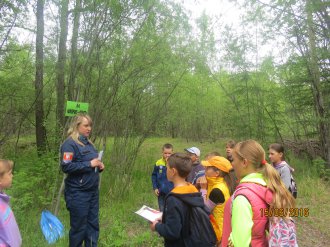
310	236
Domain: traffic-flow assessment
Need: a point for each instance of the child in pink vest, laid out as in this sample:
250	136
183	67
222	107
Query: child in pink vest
260	191
9	232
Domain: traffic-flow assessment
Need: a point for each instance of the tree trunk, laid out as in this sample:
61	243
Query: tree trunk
74	41
61	67
316	87
246	79
39	108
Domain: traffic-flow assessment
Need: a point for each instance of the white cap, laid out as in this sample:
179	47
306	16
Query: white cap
193	150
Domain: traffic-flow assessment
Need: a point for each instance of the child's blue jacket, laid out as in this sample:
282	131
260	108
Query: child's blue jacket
159	178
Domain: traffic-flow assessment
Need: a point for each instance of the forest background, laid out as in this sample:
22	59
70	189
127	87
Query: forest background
151	76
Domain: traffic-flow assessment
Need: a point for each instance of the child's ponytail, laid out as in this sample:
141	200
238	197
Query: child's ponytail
282	198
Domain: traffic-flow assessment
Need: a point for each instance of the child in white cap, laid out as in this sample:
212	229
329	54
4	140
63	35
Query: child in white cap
198	170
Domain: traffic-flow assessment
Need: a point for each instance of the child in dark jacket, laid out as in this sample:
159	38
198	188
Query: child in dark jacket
177	202
160	184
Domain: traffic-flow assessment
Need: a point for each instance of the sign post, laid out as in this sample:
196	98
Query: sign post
73	107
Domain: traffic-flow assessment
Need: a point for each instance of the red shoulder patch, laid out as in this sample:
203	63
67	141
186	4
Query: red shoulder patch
67	157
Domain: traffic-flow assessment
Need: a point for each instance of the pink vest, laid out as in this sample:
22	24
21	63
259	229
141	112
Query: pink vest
259	197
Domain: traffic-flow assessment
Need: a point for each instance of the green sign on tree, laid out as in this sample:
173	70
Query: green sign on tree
73	107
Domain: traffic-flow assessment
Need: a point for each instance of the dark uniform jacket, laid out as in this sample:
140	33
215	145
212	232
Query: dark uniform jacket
76	162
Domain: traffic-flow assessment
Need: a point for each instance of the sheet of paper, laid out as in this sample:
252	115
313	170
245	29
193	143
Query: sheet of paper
149	213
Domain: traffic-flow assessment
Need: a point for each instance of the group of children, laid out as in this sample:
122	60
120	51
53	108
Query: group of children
237	201
236	190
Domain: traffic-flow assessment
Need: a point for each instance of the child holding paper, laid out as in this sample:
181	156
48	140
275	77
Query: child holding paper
175	224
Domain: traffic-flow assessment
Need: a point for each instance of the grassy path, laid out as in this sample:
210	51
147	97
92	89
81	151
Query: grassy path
314	229
310	235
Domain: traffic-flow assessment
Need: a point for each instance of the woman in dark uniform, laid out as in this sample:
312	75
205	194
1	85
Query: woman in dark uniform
80	161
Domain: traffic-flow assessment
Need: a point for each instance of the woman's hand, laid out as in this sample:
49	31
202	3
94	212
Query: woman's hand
202	182
101	167
97	163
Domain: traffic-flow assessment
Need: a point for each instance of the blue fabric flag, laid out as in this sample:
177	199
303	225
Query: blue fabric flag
51	227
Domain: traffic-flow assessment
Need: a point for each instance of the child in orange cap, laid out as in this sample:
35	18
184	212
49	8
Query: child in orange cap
216	189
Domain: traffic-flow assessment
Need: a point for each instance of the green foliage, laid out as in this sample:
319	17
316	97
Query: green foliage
34	181
16	93
146	71
321	168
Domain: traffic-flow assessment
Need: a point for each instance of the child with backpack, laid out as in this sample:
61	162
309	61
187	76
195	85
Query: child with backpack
9	232
277	158
185	220
259	197
216	189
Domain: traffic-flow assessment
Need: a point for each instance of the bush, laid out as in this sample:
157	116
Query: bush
321	168
34	181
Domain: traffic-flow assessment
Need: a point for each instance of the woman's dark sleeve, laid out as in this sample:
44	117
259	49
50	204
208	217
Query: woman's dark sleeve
68	163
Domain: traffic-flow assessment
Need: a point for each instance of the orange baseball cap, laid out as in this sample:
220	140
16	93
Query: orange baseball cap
219	162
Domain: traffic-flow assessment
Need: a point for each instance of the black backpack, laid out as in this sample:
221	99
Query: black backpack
293	185
198	230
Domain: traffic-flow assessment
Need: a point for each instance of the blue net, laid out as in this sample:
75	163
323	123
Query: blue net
51	227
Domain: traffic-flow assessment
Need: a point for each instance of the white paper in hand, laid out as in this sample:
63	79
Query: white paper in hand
100	155
149	213
99	158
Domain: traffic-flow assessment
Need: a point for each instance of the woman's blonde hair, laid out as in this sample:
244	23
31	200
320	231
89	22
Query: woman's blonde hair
254	152
5	166
73	130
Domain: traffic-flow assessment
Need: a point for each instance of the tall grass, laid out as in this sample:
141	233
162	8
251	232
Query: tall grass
313	194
